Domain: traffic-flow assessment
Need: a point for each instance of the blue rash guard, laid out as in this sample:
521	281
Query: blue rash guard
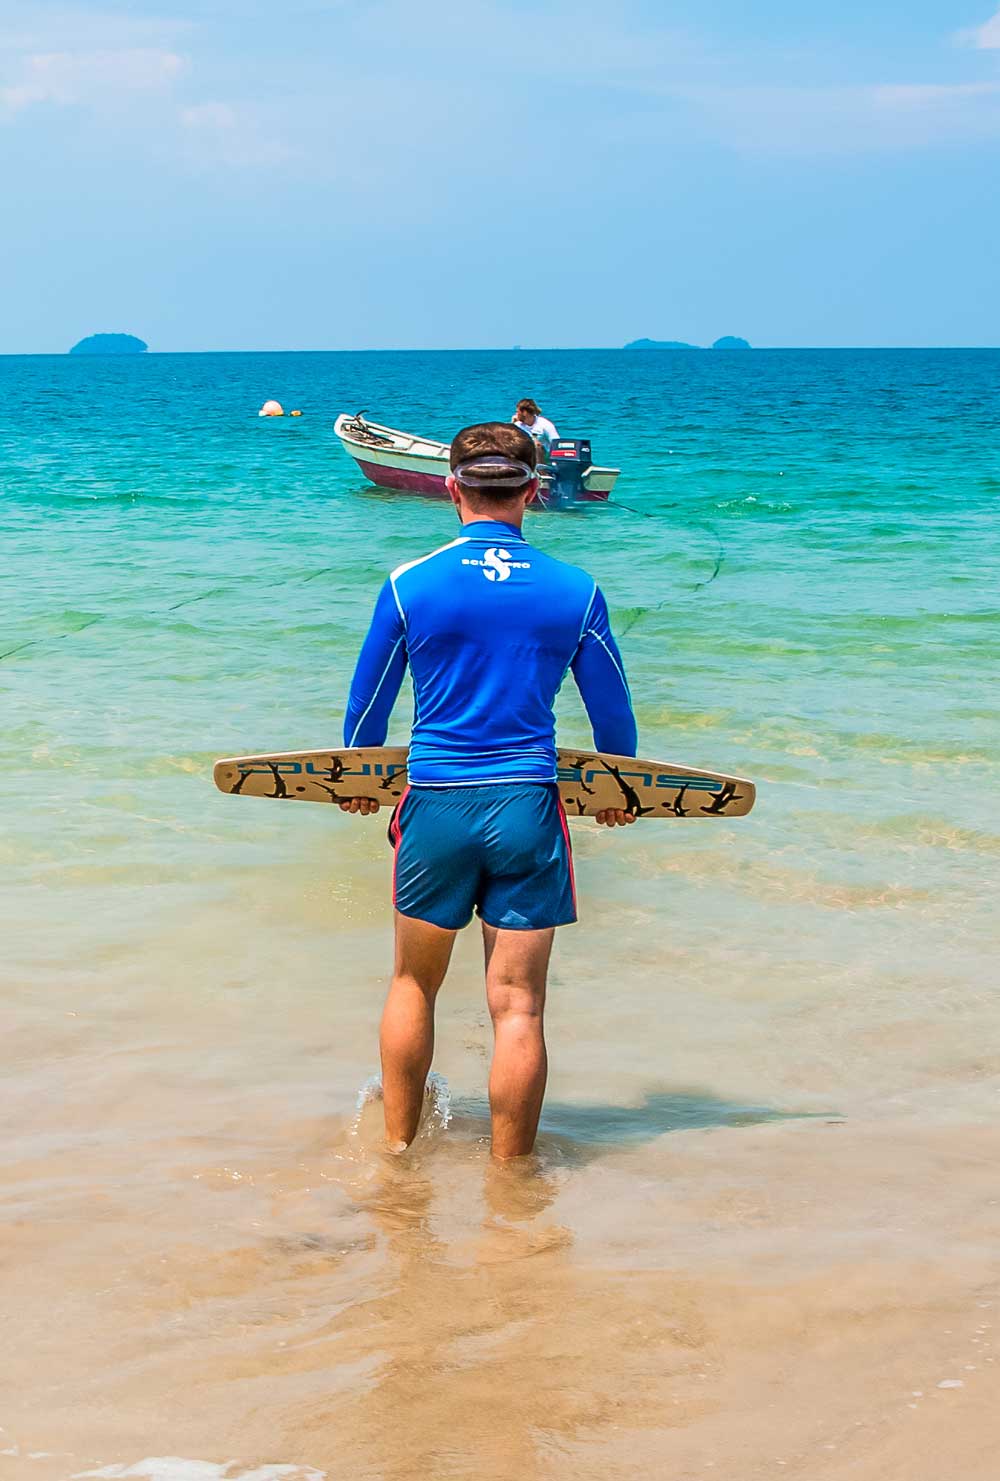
489	627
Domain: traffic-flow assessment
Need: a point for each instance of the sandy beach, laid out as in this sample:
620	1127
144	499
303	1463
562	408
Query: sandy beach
229	1283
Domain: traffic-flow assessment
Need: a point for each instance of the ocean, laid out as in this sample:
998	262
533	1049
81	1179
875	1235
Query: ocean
759	1235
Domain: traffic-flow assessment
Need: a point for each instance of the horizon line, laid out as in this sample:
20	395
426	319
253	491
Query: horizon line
487	350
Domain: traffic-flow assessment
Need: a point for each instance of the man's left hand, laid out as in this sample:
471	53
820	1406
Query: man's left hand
363	805
614	817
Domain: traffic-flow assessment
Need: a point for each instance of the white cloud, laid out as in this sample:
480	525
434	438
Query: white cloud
486	43
840	120
146	79
931	95
209	116
43	26
295	103
985	37
226	134
65	78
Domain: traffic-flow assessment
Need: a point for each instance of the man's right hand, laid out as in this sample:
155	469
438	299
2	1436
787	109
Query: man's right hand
613	817
363	805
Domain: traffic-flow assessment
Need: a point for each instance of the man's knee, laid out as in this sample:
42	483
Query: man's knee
414	986
510	1000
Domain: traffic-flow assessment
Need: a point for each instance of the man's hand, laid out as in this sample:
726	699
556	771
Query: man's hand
612	817
363	805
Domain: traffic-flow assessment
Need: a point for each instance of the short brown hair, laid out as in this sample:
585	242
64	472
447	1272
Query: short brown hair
501	440
528	405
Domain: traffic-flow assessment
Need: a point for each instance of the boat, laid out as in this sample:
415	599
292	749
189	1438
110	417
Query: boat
418	465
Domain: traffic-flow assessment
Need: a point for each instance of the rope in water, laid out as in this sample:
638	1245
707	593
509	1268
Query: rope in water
216	590
101	616
720	556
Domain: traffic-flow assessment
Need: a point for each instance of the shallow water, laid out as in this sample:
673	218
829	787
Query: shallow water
762	1211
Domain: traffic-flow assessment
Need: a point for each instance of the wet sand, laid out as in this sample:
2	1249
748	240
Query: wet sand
780	1304
207	1256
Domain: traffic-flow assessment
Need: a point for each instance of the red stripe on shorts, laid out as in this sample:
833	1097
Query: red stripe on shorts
569	850
398	834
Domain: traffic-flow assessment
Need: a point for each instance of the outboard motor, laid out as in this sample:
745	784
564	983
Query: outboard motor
570	459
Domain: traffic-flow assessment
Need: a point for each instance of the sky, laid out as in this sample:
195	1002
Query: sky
350	174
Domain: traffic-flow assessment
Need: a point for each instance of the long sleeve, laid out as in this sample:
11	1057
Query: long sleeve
378	675
600	678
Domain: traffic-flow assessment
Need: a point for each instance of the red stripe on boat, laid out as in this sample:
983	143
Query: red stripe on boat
403	478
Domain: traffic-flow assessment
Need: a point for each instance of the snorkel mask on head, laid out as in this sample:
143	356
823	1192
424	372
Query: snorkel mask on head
494	471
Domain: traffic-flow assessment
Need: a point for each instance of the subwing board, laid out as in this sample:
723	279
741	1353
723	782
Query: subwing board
588	782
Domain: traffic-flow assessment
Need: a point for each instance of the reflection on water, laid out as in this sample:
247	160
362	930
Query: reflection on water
568	1132
659	1112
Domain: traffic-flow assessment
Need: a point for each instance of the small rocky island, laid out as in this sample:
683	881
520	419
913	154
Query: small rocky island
727	342
110	344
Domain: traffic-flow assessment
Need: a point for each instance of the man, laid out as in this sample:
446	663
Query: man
529	418
489	627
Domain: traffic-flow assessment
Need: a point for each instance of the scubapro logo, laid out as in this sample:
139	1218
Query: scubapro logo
495	567
496	564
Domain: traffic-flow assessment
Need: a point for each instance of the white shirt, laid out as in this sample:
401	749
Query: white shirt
540	427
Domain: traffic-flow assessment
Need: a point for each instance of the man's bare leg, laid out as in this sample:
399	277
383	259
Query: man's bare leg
516	968
423	952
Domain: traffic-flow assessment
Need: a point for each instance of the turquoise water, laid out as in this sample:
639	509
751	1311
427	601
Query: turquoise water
802	571
802	566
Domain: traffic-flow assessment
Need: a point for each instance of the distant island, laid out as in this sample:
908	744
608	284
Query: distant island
727	342
110	344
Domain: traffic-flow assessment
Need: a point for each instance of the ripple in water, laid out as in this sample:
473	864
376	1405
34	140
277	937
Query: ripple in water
437	1105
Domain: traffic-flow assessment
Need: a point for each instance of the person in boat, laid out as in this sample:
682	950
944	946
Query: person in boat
488	626
529	418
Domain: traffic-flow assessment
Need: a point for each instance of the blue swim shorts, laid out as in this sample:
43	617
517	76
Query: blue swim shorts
502	850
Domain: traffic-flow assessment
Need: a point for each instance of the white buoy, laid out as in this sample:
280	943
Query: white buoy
272	409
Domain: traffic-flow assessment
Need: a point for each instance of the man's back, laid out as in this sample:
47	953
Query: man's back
489	626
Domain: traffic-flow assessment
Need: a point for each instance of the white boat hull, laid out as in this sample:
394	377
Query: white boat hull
398	460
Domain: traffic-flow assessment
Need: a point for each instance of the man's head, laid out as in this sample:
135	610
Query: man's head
493	471
528	410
